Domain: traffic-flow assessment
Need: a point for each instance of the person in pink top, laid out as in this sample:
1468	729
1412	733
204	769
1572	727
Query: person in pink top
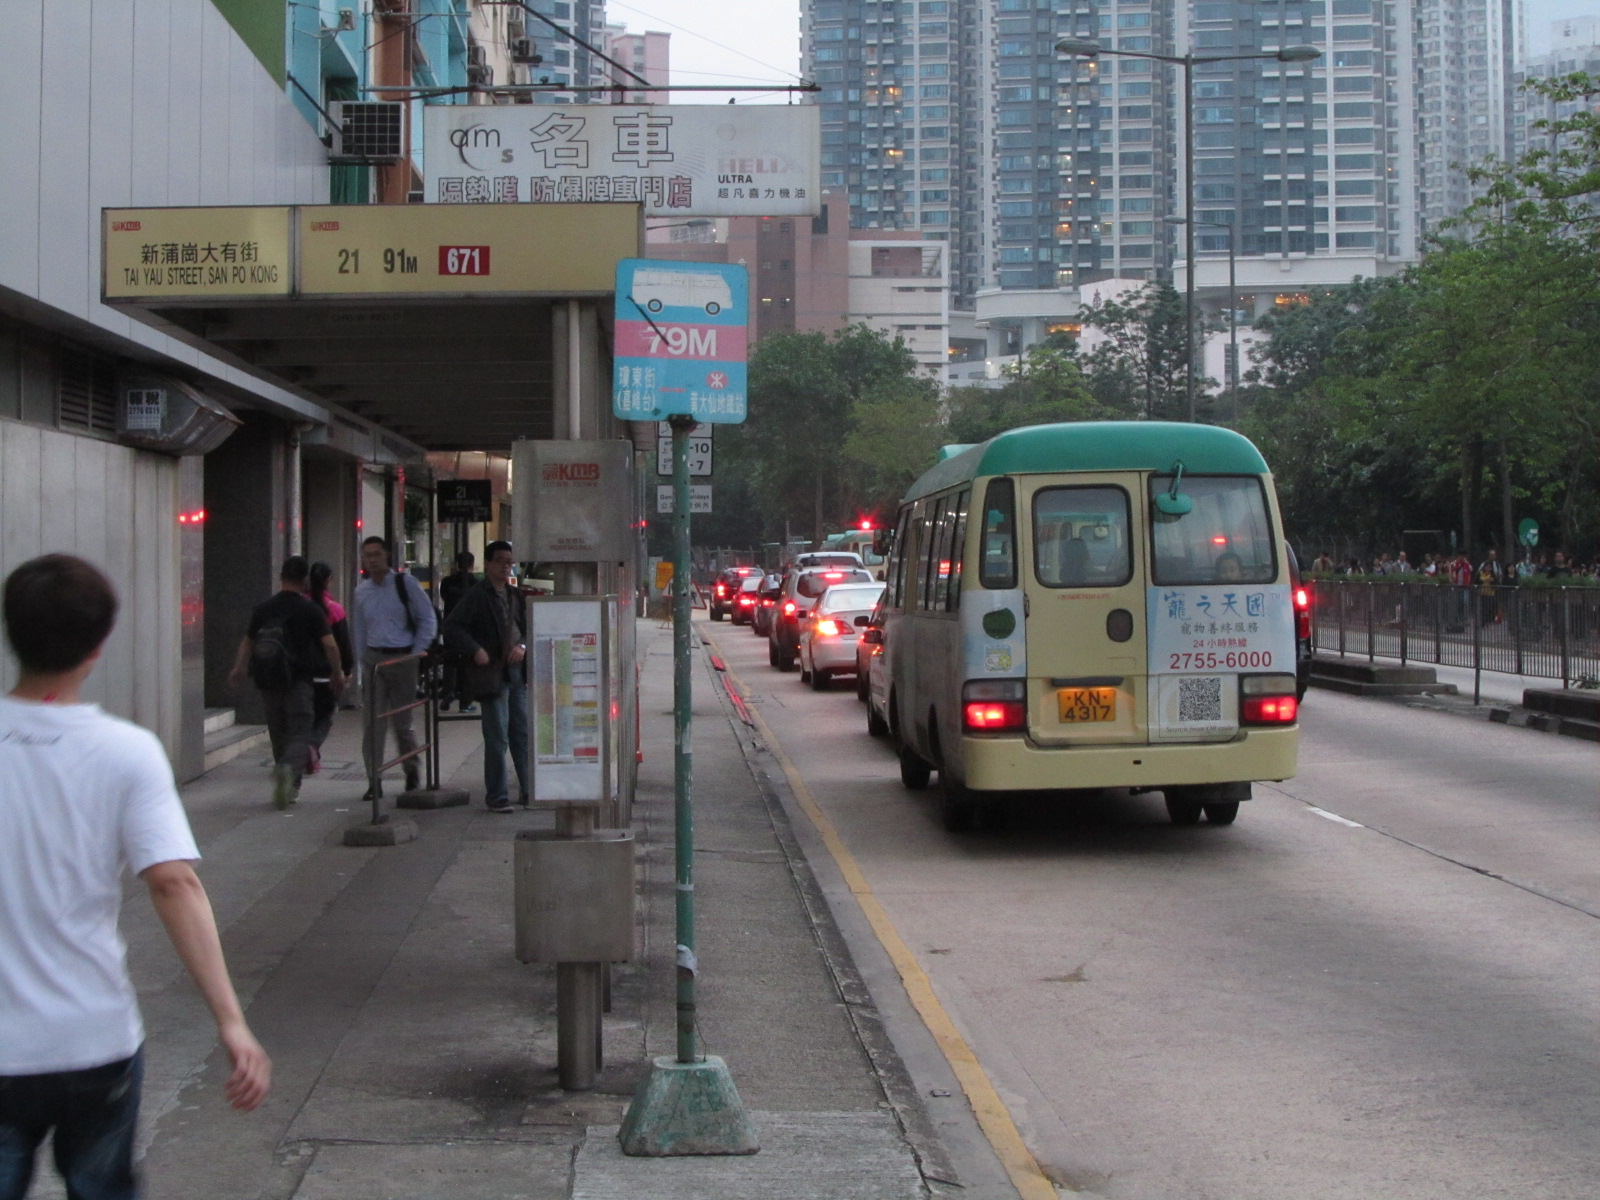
324	702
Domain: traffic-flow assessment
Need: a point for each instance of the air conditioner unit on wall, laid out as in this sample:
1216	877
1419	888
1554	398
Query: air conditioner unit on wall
481	76
368	131
158	412
524	50
477	56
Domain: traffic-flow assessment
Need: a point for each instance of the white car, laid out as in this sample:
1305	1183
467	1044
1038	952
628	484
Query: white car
829	631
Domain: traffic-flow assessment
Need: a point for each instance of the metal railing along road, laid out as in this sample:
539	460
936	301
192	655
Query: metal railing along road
1546	632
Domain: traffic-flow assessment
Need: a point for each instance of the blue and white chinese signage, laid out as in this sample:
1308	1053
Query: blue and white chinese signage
1224	627
1200	641
681	341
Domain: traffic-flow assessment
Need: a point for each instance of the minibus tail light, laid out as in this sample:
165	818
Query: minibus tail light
1302	612
1268	700
994	706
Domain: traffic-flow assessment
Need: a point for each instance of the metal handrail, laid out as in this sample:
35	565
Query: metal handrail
430	732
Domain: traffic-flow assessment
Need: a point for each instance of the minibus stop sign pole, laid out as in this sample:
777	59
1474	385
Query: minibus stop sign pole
687	1104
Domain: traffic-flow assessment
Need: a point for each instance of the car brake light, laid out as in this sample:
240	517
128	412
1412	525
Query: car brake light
829	628
993	716
1268	700
1302	612
994	706
788	608
722	589
1269	710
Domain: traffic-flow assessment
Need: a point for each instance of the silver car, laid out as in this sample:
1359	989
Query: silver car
829	631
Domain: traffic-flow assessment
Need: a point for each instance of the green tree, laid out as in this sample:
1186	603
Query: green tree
1046	386
809	394
1136	367
1553	187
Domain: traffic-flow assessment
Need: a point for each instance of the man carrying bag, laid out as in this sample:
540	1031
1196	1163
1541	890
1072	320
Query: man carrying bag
486	629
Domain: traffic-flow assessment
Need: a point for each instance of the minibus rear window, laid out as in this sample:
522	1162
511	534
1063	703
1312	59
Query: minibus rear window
999	566
1080	537
1225	538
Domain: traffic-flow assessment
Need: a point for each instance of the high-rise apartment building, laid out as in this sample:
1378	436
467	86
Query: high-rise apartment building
1574	46
563	59
1048	173
647	55
1466	55
905	118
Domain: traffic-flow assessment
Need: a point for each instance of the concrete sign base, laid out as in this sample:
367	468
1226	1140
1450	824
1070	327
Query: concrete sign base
687	1108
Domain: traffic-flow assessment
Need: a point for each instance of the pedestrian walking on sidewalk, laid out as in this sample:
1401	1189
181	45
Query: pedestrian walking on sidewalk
451	588
288	645
83	797
325	701
392	619
486	627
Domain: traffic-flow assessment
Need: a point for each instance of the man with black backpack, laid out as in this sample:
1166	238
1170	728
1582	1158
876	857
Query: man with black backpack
287	645
394	624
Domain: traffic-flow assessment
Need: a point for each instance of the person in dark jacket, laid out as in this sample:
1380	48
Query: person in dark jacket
324	701
486	627
451	588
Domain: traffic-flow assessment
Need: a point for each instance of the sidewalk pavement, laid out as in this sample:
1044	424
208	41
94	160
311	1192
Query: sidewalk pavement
414	1057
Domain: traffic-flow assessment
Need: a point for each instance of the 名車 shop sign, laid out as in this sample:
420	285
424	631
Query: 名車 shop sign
708	160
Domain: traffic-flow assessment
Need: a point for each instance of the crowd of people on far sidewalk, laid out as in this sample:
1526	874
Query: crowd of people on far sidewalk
1459	569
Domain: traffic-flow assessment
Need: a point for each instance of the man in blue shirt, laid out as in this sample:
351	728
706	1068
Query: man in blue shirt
391	618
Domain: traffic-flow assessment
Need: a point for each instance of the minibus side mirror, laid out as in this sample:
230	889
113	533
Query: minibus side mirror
1174	504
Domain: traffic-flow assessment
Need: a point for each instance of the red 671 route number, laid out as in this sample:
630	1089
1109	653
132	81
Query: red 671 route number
463	260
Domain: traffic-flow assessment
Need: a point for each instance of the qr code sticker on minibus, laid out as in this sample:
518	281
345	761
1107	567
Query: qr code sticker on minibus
1200	699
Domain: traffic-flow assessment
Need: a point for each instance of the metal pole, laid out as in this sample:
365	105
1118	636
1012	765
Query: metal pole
683	758
1187	62
1233	320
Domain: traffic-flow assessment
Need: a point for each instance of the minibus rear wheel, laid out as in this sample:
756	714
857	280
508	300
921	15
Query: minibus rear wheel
1182	811
1222	814
914	773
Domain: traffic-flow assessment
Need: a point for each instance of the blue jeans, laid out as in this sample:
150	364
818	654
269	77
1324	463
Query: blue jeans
94	1113
505	726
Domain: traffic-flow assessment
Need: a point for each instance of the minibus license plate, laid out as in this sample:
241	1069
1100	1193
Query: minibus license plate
1079	705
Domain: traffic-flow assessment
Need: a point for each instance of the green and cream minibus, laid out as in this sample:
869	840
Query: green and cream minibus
1095	605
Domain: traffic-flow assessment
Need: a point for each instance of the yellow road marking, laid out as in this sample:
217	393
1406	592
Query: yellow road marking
993	1116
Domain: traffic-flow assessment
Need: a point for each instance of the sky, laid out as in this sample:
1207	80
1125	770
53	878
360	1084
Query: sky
758	41
734	42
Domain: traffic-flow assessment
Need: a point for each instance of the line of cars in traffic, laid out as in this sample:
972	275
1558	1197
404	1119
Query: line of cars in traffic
813	614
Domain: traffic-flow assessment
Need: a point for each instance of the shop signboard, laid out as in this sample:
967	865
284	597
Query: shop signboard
685	160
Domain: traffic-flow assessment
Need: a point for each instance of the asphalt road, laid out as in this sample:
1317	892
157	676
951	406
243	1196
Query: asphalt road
1379	983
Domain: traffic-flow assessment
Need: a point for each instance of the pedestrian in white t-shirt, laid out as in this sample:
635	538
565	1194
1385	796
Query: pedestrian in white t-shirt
85	796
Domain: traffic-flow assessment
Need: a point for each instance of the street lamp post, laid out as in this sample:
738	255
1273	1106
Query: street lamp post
1233	300
1089	48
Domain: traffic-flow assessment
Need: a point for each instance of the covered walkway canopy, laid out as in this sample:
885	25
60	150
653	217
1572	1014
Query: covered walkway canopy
456	327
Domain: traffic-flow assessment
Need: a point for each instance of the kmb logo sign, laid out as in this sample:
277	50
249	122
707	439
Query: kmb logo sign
564	474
